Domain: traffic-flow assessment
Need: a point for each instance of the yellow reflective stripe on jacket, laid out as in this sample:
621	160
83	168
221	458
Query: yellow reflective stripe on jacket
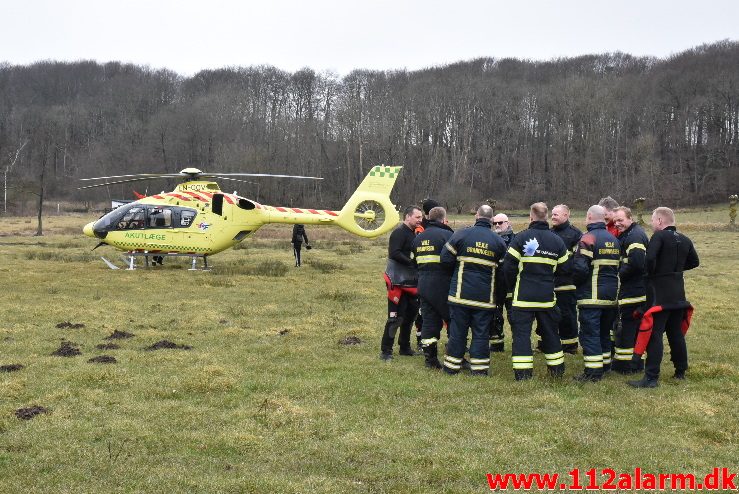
540	260
586	253
565	288
427	258
632	300
563	258
460	274
540	305
605	262
514	253
471	303
477	260
594	301
635	246
450	248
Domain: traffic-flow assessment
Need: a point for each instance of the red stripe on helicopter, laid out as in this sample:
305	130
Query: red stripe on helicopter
313	211
178	196
298	210
331	213
282	210
157	196
228	198
196	196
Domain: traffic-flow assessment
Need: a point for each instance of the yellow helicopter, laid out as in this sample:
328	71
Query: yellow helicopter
198	219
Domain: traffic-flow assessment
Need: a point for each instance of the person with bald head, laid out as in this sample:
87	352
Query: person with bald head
595	273
473	254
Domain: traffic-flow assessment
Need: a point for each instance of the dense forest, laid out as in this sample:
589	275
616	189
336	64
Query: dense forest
566	130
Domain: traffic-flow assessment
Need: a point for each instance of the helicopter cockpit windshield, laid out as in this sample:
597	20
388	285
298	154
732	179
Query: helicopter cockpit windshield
141	216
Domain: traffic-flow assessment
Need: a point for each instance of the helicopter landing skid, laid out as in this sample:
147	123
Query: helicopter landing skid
129	259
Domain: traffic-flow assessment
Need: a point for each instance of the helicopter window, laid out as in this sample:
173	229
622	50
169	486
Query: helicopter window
160	218
217	207
133	219
245	204
186	217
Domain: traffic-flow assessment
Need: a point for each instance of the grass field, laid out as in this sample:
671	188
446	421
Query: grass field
270	399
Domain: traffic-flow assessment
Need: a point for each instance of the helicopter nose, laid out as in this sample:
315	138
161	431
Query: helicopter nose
87	230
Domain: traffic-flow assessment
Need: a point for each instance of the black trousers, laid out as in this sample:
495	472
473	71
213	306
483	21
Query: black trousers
666	322
296	251
567	305
399	316
547	322
496	324
630	316
435	310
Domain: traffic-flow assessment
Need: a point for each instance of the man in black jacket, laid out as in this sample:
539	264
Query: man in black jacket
474	253
564	286
401	278
595	272
632	293
433	282
501	226
669	254
529	267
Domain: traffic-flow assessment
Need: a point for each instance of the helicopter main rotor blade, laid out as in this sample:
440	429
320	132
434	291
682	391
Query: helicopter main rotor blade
143	176
235	180
225	175
141	179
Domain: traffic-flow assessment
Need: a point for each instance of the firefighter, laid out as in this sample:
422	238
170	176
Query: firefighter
433	282
669	253
609	204
632	293
533	258
563	284
427	205
502	227
595	272
474	254
401	278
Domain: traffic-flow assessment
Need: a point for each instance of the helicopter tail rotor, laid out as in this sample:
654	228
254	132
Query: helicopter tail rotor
370	212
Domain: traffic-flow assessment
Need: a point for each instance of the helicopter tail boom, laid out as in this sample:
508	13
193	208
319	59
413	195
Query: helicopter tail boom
369	212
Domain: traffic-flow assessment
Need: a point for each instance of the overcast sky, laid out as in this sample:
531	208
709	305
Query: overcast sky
340	35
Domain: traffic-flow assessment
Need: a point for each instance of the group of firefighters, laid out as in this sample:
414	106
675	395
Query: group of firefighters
624	289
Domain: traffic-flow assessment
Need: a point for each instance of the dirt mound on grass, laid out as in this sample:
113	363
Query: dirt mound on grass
119	335
70	325
166	344
350	340
107	346
30	412
67	349
103	359
11	367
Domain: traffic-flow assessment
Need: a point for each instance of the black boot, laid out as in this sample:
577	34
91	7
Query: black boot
497	347
556	371
431	354
644	382
589	375
523	374
570	348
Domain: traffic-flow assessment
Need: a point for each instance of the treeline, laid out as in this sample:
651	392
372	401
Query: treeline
566	130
